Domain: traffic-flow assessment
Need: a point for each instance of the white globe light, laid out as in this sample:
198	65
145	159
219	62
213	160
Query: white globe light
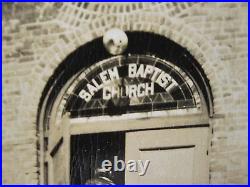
115	41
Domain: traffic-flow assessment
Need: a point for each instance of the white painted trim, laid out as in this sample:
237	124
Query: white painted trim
81	126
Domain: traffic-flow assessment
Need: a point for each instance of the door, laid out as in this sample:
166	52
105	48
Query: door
176	156
59	148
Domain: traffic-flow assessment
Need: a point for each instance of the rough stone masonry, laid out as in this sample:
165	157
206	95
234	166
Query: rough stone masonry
36	37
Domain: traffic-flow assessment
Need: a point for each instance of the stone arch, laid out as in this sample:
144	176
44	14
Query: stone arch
177	31
180	33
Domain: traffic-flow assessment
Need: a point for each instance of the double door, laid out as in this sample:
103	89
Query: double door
162	156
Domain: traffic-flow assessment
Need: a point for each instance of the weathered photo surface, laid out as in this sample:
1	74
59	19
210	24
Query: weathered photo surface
124	93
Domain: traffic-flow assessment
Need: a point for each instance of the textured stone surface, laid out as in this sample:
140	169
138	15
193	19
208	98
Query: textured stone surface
38	36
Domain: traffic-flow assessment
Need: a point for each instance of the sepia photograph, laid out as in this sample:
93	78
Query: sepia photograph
117	93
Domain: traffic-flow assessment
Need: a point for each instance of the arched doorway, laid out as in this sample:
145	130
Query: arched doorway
152	102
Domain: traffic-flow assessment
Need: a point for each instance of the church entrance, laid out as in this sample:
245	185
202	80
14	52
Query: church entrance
133	118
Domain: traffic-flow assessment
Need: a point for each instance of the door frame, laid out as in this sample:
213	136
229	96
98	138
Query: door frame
125	122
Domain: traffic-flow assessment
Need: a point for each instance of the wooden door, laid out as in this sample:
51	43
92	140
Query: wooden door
177	156
59	154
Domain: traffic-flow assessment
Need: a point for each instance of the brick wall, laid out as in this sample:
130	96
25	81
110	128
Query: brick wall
38	36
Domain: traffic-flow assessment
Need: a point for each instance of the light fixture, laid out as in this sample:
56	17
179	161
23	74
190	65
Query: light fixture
115	41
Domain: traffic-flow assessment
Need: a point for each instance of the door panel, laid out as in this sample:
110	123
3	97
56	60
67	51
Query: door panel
165	166
59	148
58	164
177	156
